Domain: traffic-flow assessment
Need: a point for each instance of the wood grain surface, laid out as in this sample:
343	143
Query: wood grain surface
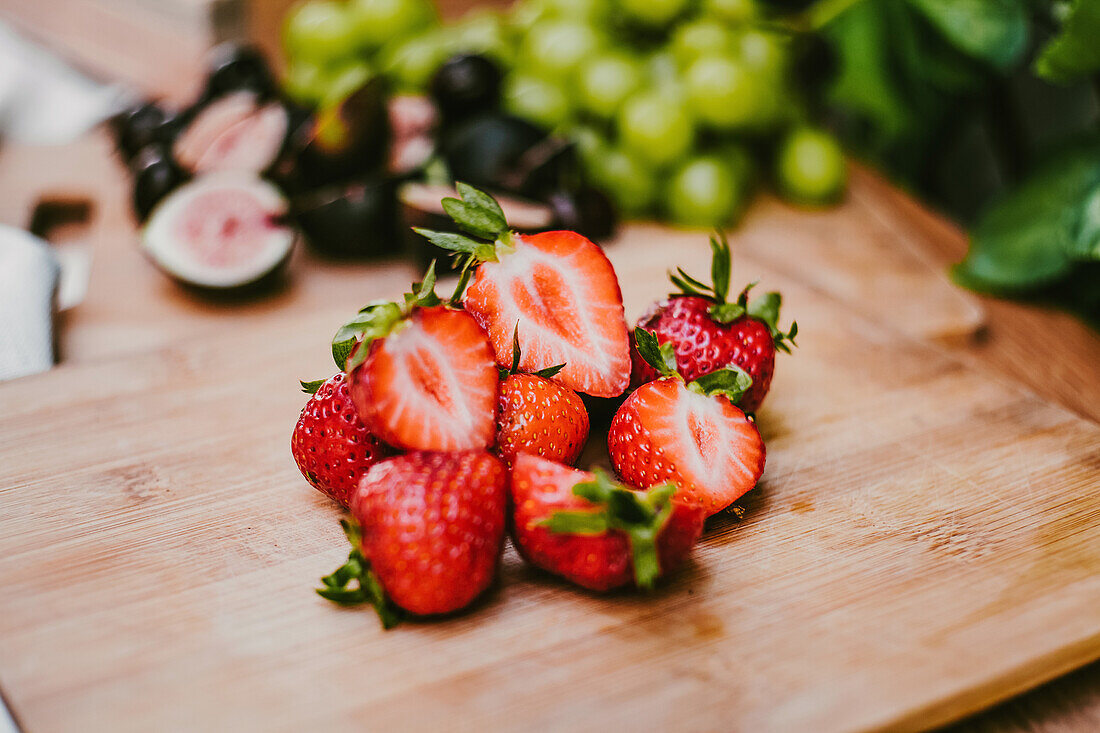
924	543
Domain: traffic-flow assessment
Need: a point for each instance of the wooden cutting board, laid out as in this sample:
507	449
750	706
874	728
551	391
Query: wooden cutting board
925	541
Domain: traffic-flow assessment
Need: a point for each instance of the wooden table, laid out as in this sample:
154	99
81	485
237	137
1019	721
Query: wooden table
132	309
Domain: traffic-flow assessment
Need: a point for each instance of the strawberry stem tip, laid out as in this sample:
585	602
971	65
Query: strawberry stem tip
313	386
640	515
764	308
377	319
480	216
366	588
731	380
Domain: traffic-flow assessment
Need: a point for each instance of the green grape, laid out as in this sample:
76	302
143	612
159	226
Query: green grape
723	94
663	71
555	49
605	83
410	62
381	22
480	32
306	82
703	192
318	32
655	127
651	12
631	184
700	37
589	142
345	80
592	11
764	52
810	167
536	100
734	12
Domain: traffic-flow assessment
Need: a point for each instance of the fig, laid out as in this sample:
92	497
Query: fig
420	207
586	210
236	132
141	126
504	153
155	174
464	85
234	67
220	231
344	139
356	219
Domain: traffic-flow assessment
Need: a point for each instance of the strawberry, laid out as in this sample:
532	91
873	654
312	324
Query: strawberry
422	374
330	444
709	333
692	433
597	533
536	415
559	287
428	534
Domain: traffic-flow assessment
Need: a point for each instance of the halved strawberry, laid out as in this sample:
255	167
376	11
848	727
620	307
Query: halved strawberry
594	532
422	376
691	434
559	287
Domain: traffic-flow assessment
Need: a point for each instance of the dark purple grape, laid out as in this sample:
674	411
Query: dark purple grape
465	85
155	175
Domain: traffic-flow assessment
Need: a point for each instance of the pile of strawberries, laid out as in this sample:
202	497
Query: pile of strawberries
454	422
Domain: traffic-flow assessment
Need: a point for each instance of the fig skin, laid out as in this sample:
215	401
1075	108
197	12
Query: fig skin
145	124
353	220
155	174
237	67
465	85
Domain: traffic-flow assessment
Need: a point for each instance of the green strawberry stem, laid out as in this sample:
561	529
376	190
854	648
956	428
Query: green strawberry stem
640	515
764	308
377	319
731	381
311	387
367	589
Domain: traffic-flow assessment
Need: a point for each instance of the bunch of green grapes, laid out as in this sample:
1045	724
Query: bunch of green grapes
676	106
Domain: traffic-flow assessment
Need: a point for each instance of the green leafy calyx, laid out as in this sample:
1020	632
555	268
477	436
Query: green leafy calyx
662	357
546	373
312	387
478	215
351	343
641	515
731	381
354	582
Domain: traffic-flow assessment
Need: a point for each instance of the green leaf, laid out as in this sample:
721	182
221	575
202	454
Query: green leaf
766	308
312	387
661	357
515	349
720	264
452	242
549	372
994	31
1075	52
483	201
354	583
1025	239
474	220
1086	244
731	381
463	279
641	515
726	312
374	322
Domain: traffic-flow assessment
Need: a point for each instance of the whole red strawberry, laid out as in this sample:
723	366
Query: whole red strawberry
330	444
538	416
597	533
422	373
429	534
689	433
558	286
709	333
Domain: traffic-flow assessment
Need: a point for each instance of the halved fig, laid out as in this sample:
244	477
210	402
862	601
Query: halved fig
236	132
421	207
222	230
